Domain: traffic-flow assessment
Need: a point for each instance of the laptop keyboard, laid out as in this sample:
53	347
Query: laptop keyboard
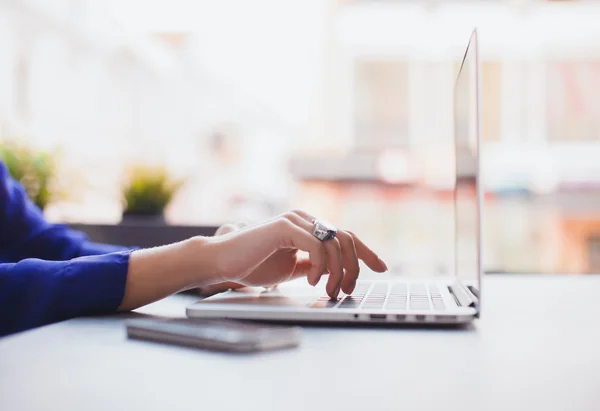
395	296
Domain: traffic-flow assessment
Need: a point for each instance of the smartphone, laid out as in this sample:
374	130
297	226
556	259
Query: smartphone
220	335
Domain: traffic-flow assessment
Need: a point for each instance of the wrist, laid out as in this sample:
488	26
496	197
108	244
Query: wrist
155	273
203	252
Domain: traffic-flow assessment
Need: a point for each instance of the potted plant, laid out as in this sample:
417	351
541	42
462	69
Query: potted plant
146	193
35	170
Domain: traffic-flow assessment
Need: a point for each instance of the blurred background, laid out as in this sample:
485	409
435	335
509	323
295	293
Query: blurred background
238	110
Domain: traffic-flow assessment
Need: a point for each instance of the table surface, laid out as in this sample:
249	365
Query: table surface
535	347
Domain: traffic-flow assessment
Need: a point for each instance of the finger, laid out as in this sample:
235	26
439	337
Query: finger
363	252
349	255
226	229
350	261
299	221
294	236
360	251
304	215
335	267
218	288
293	217
367	255
302	269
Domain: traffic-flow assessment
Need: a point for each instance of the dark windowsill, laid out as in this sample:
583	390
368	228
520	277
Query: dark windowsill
142	234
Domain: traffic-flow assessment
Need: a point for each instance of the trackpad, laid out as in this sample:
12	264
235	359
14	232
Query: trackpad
289	297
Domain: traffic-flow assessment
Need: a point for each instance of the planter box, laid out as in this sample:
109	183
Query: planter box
141	234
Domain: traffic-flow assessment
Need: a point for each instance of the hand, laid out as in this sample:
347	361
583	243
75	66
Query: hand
267	255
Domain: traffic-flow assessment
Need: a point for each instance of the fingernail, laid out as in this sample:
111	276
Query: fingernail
382	263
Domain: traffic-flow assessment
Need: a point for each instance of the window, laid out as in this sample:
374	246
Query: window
573	103
381	104
491	86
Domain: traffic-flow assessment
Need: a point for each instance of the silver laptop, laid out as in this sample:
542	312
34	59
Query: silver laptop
394	300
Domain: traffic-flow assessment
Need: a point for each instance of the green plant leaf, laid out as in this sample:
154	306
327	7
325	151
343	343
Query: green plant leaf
148	190
35	170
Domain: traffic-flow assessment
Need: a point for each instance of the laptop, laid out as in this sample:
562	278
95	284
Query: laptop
393	299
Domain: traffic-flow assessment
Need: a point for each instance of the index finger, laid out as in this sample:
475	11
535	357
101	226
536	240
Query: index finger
300	239
367	255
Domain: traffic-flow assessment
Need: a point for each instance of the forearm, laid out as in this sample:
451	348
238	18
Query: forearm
159	272
35	292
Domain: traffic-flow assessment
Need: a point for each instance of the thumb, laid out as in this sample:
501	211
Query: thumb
304	267
209	290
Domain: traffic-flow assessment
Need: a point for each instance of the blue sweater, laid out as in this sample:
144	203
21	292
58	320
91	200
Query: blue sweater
49	272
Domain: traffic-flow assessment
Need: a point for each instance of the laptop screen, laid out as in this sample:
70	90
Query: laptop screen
467	191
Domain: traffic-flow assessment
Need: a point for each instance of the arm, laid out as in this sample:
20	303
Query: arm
35	292
261	255
25	234
158	272
44	278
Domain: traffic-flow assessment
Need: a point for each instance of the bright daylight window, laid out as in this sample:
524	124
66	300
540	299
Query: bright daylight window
340	107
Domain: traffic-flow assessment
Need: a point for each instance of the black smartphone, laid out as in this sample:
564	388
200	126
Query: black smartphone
221	335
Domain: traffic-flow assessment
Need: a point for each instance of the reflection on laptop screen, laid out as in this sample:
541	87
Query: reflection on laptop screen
466	139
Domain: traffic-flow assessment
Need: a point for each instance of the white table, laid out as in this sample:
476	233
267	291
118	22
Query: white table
536	347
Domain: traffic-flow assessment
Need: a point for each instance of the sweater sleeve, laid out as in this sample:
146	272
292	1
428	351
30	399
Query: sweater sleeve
24	233
36	292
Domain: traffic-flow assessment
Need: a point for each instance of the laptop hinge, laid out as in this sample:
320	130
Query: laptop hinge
464	296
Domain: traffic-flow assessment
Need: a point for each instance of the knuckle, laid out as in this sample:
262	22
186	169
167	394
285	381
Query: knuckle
290	216
345	237
283	223
298	211
225	229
